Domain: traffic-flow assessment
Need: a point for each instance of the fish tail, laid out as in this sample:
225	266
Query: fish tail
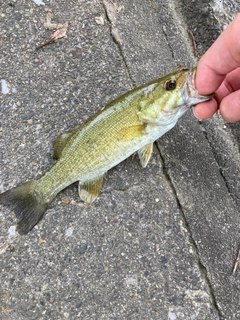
27	203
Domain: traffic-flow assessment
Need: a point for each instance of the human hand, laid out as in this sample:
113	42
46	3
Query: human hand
218	71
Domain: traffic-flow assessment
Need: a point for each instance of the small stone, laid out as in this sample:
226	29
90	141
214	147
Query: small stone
66	201
69	232
41	241
99	20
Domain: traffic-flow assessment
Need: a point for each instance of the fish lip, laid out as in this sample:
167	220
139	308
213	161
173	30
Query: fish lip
190	93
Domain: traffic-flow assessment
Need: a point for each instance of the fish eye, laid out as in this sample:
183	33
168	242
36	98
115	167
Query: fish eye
170	85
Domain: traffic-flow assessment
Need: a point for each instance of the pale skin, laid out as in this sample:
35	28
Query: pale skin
218	71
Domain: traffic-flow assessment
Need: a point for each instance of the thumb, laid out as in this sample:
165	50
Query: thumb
220	59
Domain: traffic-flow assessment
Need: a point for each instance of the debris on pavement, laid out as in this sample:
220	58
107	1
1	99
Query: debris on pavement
39	2
236	263
4	86
69	232
41	241
58	34
194	43
100	20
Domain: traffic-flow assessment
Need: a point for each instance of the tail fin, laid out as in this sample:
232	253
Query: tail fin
27	203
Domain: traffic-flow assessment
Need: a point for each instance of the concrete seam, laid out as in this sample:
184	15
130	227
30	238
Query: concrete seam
178	19
118	44
219	167
202	268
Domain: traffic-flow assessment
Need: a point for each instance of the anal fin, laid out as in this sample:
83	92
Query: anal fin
145	154
89	190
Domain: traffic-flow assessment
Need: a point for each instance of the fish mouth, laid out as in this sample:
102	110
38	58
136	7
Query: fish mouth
191	96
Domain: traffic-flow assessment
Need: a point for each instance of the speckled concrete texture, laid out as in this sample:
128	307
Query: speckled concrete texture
160	242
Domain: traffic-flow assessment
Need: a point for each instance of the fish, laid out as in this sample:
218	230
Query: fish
129	124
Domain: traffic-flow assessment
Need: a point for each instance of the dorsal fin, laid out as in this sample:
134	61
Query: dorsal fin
60	142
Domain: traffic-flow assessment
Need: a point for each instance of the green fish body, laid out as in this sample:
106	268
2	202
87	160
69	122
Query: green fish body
127	125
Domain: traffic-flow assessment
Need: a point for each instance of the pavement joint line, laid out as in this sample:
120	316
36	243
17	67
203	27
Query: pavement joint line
202	268
220	168
203	271
117	42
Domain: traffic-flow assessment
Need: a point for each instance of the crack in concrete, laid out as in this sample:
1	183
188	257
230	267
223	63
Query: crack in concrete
221	171
202	268
168	43
117	39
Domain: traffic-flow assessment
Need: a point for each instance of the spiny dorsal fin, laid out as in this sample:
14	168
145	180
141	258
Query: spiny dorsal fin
60	142
89	190
145	154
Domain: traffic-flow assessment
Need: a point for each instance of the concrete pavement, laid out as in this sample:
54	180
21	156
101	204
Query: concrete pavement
160	242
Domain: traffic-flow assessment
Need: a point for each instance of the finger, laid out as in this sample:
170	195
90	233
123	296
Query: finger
221	58
205	110
231	83
230	107
232	80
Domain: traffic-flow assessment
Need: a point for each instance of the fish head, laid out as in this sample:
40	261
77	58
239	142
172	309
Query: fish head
180	91
174	95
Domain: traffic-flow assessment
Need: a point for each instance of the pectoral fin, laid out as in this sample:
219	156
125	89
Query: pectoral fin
60	142
145	154
89	190
131	132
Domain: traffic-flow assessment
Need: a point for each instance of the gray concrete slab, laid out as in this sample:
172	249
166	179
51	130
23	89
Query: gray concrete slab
160	242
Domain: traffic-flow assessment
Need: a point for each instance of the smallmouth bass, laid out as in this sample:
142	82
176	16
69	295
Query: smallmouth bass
129	124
